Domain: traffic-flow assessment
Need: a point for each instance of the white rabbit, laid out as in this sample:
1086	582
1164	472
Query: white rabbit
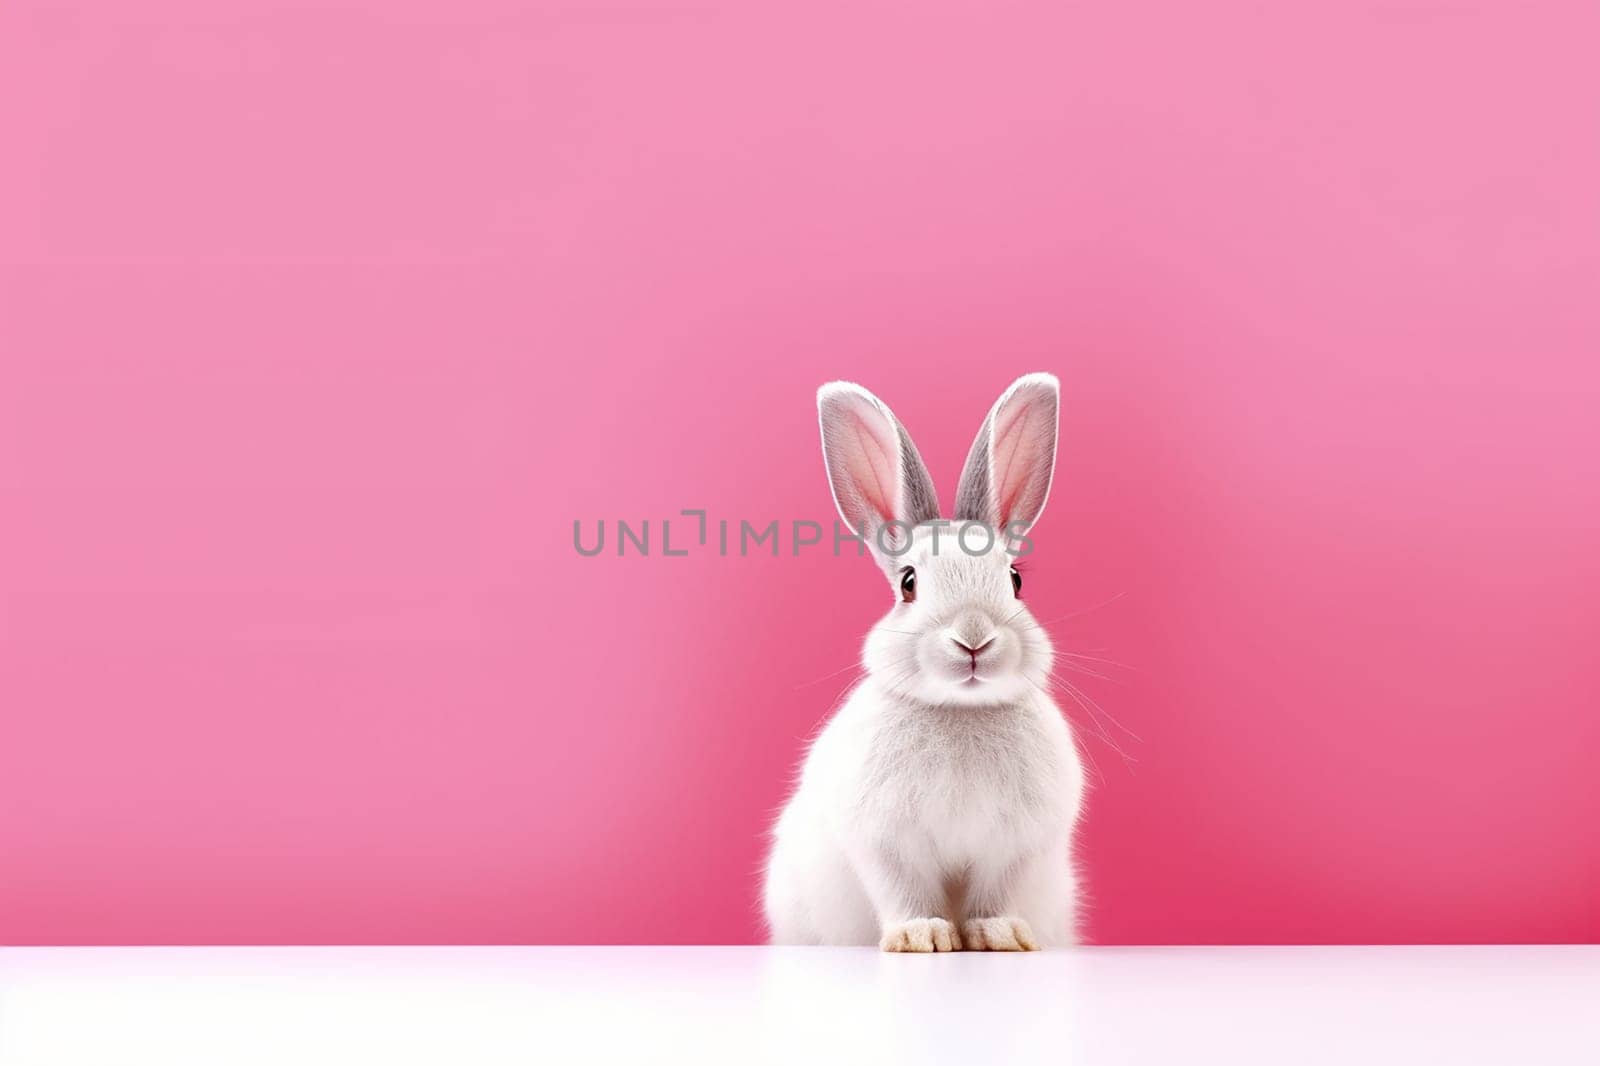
935	810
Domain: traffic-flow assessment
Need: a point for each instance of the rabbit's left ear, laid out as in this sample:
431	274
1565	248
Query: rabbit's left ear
1007	477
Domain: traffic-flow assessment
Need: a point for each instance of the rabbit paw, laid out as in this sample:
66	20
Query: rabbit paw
998	934
921	934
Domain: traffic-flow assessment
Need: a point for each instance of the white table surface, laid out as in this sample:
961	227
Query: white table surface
354	1006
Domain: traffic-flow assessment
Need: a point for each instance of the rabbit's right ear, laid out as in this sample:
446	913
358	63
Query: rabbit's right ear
875	472
1011	464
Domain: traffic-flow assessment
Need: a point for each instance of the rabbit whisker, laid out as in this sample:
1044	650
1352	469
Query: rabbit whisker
1082	696
1083	611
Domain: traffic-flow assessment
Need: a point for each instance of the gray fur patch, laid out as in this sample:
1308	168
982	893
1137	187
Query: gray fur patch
920	498
974	501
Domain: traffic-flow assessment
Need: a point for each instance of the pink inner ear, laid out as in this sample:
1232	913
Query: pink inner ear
1022	450
870	455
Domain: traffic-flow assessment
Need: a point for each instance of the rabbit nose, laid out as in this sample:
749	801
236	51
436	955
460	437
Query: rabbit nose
972	649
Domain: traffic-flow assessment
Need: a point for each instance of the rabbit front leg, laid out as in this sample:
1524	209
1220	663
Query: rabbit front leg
908	899
1006	900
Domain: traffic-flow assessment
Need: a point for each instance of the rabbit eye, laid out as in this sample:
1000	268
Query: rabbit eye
908	585
1016	581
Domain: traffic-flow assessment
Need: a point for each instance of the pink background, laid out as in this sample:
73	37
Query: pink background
321	323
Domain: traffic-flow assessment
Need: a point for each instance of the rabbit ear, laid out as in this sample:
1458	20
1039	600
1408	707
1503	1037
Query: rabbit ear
1007	476
874	469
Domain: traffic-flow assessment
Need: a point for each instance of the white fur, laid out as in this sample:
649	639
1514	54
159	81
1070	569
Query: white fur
935	810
